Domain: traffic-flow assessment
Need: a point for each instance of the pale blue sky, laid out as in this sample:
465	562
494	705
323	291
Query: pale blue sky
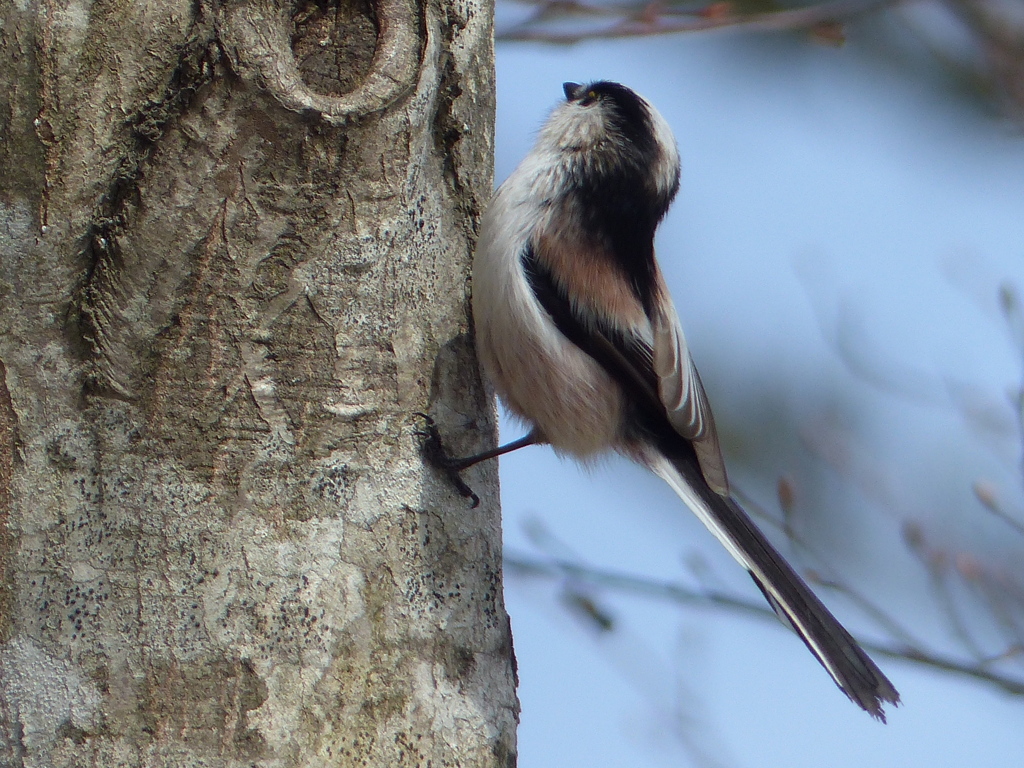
834	253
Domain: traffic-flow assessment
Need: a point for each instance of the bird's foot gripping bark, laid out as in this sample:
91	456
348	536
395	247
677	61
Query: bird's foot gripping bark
435	454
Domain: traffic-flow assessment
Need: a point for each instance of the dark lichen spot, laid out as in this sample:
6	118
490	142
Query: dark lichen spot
458	662
210	698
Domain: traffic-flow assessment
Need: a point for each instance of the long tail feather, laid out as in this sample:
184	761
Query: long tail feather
850	667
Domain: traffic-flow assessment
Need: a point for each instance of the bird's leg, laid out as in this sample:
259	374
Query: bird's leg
435	454
468	461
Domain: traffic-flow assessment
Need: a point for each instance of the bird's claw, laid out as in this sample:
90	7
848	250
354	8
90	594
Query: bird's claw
435	455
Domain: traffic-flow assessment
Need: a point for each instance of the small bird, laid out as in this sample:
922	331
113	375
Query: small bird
576	329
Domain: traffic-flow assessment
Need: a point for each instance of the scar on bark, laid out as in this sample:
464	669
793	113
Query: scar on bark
261	45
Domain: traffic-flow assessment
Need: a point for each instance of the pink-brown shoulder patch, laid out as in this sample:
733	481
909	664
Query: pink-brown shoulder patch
590	276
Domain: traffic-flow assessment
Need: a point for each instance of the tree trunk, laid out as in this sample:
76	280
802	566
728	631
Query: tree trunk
234	250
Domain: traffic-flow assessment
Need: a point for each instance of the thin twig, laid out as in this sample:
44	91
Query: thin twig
828	579
987	496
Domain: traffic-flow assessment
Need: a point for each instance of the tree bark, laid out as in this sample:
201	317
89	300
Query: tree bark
234	247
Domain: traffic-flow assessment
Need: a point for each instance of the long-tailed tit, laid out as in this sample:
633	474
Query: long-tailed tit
576	329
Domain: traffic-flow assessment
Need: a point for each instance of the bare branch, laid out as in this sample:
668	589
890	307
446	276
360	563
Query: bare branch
525	565
645	19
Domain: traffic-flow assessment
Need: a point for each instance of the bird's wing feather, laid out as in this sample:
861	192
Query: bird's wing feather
624	352
649	355
682	393
654	365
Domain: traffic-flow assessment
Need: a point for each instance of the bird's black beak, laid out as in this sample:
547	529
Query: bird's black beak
571	89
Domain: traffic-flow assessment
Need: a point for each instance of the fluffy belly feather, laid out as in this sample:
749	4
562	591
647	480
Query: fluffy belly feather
546	380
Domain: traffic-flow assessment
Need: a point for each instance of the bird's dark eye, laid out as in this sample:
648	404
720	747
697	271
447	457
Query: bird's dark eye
589	98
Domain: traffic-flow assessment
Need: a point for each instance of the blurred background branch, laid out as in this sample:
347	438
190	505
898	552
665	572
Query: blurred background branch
979	43
579	581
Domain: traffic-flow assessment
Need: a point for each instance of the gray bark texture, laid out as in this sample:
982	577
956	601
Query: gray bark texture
235	239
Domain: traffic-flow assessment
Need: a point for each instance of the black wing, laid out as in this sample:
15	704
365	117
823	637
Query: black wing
672	415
